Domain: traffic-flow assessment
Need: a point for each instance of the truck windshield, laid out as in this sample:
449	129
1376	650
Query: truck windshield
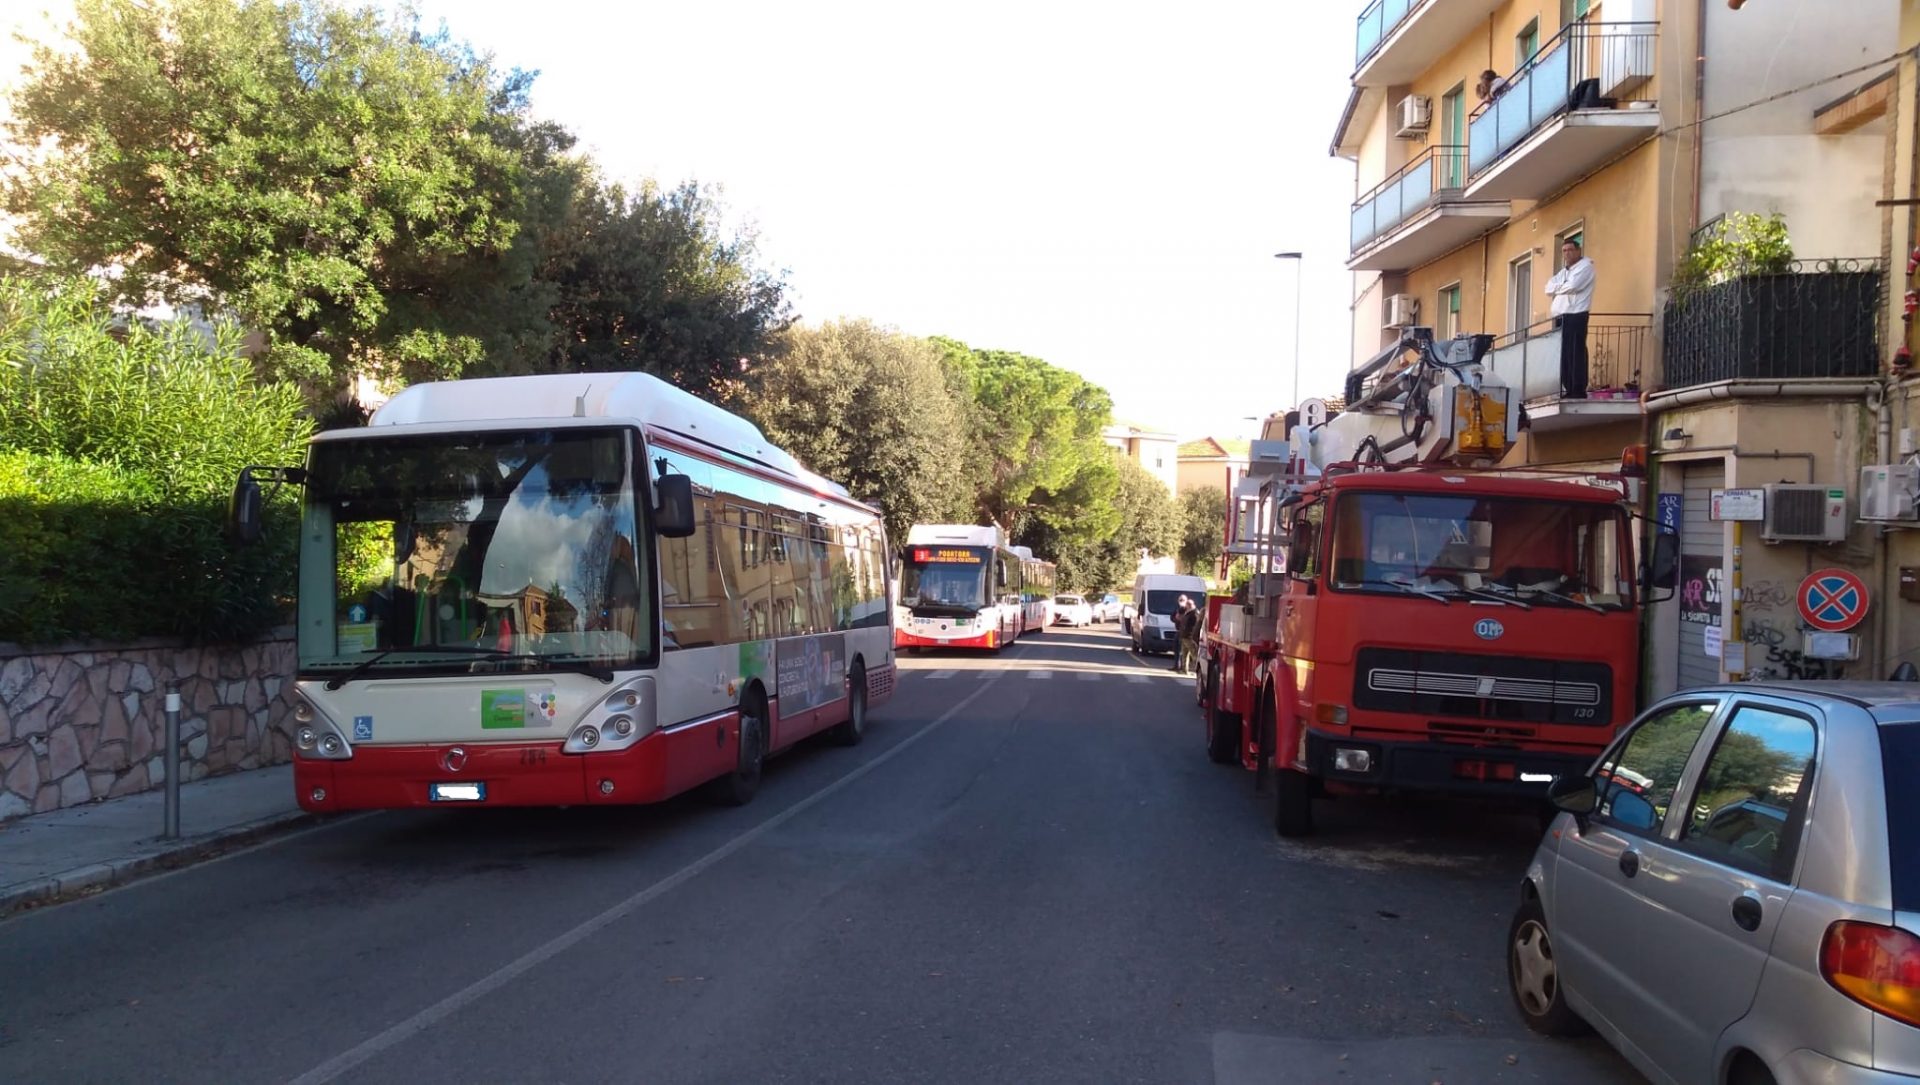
473	552
1542	553
945	580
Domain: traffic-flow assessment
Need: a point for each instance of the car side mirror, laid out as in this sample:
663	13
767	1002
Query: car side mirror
673	506
1577	795
244	509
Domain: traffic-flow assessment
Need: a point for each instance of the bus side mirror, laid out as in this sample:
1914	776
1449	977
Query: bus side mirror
1661	565
673	511
244	509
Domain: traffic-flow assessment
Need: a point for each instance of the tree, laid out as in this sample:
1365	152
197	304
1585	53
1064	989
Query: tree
649	281
1203	517
346	185
1148	521
870	408
1035	446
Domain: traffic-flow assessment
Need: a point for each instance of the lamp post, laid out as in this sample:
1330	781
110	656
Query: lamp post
1299	265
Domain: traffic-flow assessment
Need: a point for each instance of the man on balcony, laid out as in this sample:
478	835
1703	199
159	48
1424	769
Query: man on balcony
1572	291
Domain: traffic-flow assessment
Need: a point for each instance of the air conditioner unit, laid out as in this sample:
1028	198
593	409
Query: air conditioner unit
1416	114
1797	512
1890	492
1400	311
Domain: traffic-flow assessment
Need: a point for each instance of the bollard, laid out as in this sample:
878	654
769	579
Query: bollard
171	830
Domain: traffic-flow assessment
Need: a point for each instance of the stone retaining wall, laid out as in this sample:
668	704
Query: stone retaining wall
88	722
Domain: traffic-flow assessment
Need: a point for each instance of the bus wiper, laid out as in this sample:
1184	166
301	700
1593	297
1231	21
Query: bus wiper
366	664
577	666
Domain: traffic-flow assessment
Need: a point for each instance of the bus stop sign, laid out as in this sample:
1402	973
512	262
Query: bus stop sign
1832	600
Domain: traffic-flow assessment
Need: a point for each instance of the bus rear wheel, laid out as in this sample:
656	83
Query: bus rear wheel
738	787
854	728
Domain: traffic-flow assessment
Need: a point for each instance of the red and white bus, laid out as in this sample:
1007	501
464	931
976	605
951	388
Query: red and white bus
571	589
962	586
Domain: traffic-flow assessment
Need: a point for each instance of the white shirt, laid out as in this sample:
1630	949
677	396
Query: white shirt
1572	288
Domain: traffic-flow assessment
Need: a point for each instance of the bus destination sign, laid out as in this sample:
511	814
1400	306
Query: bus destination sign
923	555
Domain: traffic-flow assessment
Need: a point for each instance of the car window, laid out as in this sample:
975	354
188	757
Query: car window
1748	810
1639	778
1900	766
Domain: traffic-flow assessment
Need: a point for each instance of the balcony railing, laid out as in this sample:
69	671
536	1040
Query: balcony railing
1819	319
1618	346
1605	64
1379	20
1437	172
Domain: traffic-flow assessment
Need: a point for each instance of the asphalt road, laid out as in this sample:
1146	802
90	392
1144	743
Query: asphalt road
1029	872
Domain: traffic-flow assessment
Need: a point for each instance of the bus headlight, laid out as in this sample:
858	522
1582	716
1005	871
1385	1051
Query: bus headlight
306	738
583	739
332	746
302	710
622	725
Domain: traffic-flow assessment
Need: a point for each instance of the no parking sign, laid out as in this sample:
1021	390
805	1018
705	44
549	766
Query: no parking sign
1832	600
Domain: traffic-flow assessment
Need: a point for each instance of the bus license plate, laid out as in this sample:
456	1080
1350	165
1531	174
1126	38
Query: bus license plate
458	792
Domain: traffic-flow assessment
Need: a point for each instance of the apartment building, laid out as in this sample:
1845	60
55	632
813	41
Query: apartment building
1219	462
1641	129
1155	450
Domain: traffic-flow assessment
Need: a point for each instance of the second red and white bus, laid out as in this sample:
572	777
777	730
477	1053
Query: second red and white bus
962	586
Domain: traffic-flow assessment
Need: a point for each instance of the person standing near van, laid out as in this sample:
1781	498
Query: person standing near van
1188	622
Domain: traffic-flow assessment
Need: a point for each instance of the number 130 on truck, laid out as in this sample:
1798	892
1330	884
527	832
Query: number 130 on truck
1419	620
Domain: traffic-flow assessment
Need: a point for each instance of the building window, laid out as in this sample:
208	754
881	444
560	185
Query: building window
1520	294
1449	311
1453	133
1526	43
1572	11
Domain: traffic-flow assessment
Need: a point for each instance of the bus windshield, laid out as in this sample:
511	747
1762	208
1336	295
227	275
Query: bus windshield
944	580
473	552
1533	552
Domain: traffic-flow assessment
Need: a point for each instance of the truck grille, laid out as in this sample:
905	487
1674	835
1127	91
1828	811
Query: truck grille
1484	687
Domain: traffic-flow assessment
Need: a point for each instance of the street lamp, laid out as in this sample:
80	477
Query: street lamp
1299	266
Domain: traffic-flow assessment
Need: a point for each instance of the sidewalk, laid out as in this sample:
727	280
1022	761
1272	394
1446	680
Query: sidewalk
46	857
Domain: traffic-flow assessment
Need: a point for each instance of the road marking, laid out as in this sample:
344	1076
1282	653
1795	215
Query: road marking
1089	676
1138	679
1039	674
539	955
942	674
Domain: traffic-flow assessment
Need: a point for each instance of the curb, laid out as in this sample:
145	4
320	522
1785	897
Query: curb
97	877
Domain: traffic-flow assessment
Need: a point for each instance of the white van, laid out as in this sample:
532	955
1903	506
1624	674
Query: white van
1155	595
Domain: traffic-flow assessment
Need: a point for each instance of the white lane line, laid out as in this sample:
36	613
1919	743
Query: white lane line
539	955
1138	679
1089	676
1039	674
942	674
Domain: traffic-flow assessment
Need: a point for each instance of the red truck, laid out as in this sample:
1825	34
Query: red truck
1417	622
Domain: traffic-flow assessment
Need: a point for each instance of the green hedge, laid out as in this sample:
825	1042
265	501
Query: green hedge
118	448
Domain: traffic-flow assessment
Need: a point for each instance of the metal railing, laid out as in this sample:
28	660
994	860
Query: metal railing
1818	318
1604	65
1436	172
1618	348
1380	19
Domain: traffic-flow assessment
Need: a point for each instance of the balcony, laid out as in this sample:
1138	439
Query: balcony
1820	318
1618	348
1396	40
1582	100
1417	213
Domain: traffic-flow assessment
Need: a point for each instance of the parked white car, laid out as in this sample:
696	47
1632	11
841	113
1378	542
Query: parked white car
1107	608
1071	610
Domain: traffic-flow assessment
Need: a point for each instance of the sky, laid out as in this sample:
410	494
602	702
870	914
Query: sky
1099	185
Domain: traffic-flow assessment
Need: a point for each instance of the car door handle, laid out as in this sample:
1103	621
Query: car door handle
1747	913
1629	862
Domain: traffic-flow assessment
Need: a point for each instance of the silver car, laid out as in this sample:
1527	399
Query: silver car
1733	895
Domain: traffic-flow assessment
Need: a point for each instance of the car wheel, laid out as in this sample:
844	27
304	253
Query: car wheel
1533	976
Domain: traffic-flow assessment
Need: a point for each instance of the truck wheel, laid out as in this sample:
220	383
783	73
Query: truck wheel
1223	728
1292	803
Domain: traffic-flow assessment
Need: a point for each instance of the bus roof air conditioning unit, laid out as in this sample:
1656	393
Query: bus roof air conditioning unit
1416	115
1400	311
1800	512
